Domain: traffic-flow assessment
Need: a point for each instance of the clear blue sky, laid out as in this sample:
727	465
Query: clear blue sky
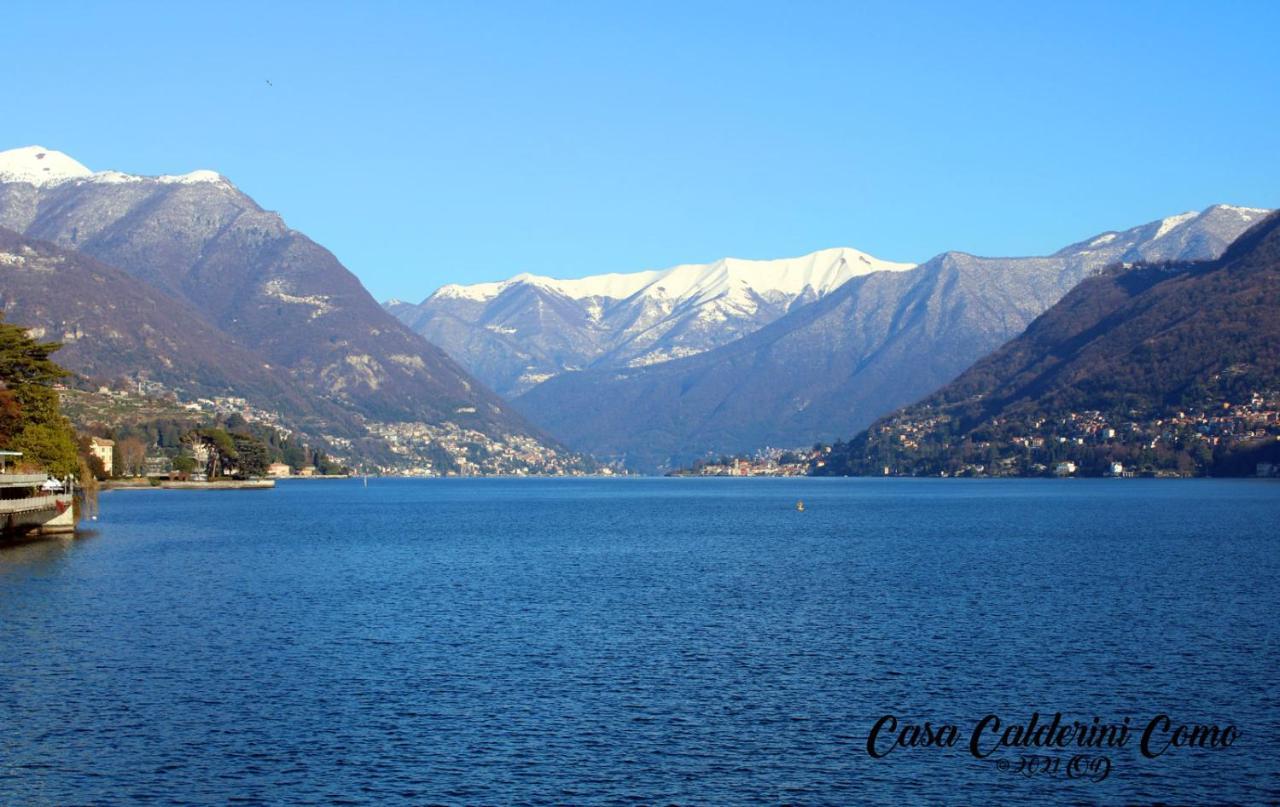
433	143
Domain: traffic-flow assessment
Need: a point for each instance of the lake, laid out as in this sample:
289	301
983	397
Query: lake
641	641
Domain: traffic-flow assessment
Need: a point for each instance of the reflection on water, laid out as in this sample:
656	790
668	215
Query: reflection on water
35	555
497	641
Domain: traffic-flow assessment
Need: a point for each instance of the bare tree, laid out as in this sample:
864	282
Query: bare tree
133	456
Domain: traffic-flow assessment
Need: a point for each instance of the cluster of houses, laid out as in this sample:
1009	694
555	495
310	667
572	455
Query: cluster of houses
220	405
766	462
1054	445
282	470
104	449
162	466
233	405
1258	417
420	449
448	449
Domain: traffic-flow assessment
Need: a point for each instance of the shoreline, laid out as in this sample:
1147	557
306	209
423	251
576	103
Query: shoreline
220	484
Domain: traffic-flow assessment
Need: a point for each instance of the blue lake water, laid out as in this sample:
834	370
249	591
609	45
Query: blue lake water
637	641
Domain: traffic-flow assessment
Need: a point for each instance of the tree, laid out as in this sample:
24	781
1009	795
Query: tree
10	416
49	445
133	456
251	455
328	465
217	445
30	418
293	453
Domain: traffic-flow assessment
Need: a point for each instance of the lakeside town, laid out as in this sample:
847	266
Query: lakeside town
390	449
1086	442
1183	442
1230	435
765	462
142	434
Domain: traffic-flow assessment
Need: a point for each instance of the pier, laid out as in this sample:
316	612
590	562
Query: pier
26	507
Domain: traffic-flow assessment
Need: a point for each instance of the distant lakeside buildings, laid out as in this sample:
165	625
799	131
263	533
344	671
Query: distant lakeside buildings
1184	441
406	448
766	462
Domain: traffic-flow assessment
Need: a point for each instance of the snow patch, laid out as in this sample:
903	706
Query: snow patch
408	361
1173	221
280	290
120	178
533	379
660	356
1246	213
39	166
479	292
821	272
42	167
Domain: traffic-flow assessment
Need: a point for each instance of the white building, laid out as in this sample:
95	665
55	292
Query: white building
103	449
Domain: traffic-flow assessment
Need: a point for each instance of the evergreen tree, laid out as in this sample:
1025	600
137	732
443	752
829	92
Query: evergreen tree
30	419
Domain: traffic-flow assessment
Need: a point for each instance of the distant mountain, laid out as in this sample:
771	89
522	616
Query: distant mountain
267	288
829	368
1168	366
518	333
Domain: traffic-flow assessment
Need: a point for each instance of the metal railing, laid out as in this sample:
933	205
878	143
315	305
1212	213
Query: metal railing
22	480
34	503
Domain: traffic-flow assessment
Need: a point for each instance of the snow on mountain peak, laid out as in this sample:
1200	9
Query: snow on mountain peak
39	166
1246	213
1163	239
42	167
820	272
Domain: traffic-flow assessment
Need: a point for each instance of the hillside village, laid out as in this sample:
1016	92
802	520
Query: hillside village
447	449
1185	441
409	449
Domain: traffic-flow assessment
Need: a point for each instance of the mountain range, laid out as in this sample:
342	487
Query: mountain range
211	268
1169	365
186	283
822	363
521	332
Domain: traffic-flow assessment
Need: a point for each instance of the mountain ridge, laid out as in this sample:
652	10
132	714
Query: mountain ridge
1164	367
519	332
831	367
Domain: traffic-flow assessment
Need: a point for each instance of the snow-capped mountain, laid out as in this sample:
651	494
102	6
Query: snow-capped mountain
517	333
276	294
819	272
1187	236
827	369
